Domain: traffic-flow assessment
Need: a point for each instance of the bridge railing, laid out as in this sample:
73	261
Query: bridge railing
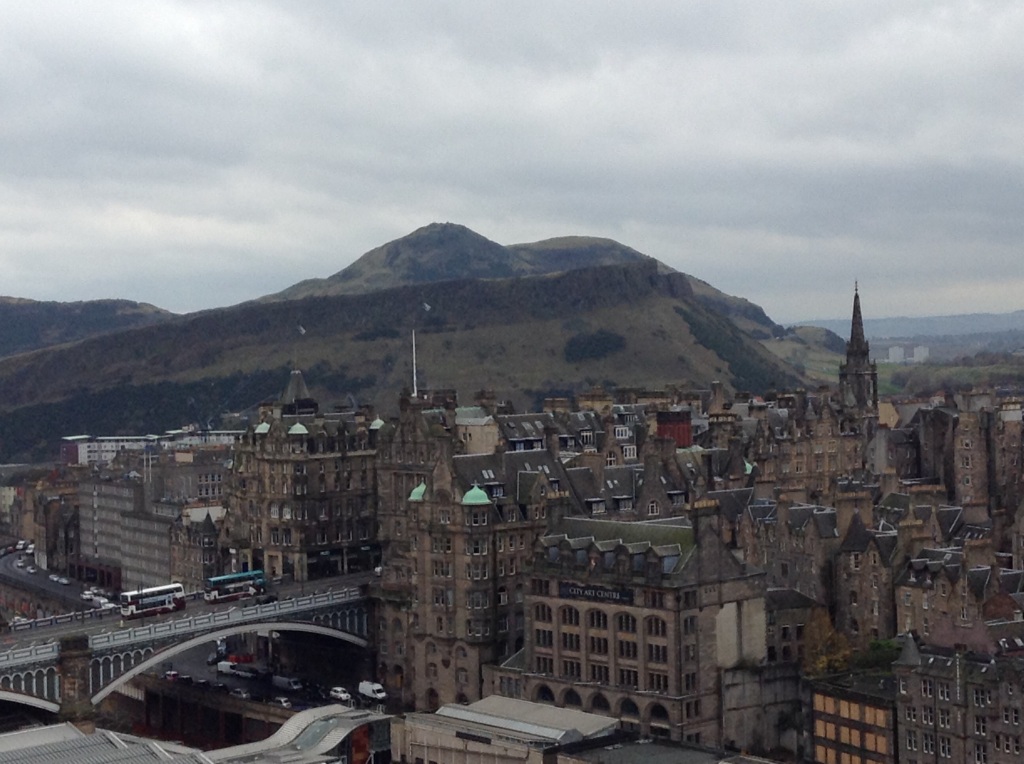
209	621
46	653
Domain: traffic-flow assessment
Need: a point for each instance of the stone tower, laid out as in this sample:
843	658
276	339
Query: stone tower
858	377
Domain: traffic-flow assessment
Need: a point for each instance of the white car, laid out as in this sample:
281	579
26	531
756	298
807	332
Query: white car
87	596
54	577
340	693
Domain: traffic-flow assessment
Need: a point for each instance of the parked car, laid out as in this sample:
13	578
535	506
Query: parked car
240	693
64	581
20	564
281	701
171	676
87	596
212	659
340	693
54	577
31	569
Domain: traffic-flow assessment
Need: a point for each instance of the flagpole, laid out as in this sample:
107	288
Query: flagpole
415	391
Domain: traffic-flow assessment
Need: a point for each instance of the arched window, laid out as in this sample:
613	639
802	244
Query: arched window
656	627
544	694
599	704
572	698
570	616
625	622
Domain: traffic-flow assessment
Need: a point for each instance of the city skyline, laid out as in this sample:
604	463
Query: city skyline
194	156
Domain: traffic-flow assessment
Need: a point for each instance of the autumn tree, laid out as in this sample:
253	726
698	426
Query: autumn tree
826	651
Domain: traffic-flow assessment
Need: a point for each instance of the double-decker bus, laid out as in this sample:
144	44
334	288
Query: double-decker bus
233	586
156	599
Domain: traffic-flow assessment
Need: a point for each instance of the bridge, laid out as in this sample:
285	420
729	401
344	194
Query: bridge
70	675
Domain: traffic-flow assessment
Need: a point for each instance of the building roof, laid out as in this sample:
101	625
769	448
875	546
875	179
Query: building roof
64	742
534	720
475	497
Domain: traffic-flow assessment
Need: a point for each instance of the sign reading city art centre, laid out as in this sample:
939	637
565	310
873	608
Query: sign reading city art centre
569	590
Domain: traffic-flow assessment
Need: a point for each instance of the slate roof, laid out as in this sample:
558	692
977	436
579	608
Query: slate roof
787	599
732	503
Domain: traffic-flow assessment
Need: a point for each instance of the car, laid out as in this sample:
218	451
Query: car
30	549
213	659
87	596
171	676
340	693
63	581
20	564
219	686
185	679
54	577
31	569
240	693
266	599
281	701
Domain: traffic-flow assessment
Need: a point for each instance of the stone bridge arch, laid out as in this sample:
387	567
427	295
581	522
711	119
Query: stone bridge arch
155	658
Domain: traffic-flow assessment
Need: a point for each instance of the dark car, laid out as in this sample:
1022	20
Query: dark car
266	599
220	687
212	659
185	679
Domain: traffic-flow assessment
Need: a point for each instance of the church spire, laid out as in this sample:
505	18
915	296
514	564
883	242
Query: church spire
857	344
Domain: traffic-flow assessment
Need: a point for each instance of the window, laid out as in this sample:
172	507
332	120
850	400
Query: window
627	649
943	690
980	725
627	623
653	508
911	740
656	627
629	452
927	687
689	624
628	677
570	616
944	717
855	561
657	653
542	613
597	620
945	747
657	682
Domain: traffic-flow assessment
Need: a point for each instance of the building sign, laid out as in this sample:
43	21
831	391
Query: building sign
569	590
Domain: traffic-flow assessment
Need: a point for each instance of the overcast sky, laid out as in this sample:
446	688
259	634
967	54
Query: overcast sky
200	154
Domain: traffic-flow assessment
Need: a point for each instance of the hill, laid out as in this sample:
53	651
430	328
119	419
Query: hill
30	324
629	324
448	252
929	326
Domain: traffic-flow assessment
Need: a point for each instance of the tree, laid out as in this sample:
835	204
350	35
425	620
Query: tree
826	651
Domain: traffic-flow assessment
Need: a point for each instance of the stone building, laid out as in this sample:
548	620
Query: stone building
638	620
958	706
302	499
451	589
866	566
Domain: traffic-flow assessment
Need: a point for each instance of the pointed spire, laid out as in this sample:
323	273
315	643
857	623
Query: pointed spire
857	325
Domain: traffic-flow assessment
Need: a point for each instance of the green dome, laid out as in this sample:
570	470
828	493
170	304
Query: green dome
262	428
475	497
418	492
376	424
298	429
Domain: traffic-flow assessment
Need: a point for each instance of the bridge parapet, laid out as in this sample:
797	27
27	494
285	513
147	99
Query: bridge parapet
191	625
